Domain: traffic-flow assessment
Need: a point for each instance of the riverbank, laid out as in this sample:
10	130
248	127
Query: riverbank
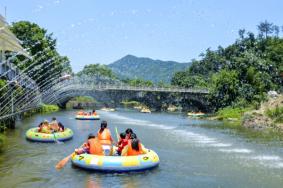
268	116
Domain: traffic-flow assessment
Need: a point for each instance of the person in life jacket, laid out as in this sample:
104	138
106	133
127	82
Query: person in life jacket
61	127
80	113
54	125
134	147
122	143
44	127
104	134
128	132
94	112
105	138
92	146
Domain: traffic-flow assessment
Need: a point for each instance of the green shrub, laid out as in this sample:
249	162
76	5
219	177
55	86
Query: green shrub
275	113
45	108
230	112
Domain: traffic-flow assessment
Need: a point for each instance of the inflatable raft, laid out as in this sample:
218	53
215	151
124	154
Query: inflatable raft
108	109
197	115
116	163
33	135
83	117
145	110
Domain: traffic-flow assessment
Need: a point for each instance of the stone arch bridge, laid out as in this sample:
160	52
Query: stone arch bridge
114	92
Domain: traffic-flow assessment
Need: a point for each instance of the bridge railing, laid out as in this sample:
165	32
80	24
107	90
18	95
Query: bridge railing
92	86
69	87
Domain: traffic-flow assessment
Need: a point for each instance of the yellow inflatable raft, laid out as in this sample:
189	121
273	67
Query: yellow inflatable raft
117	163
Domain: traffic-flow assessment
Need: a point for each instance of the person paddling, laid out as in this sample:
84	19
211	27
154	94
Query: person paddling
105	138
92	146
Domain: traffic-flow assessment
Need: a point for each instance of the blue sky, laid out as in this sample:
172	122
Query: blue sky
91	31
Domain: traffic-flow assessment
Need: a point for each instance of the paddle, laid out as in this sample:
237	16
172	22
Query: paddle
56	140
64	161
117	134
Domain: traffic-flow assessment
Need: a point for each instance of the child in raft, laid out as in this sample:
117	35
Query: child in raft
128	132
54	125
44	127
122	143
92	146
61	127
134	147
80	113
94	112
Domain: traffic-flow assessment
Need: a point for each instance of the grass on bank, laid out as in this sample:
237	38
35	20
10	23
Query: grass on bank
276	114
233	113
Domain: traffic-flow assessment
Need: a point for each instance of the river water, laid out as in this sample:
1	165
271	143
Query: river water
191	155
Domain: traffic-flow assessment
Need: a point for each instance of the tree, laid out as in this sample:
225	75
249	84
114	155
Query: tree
242	72
242	33
139	82
97	70
187	79
276	30
224	88
47	62
265	28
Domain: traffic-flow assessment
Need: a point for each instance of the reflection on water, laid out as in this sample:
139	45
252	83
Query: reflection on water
92	182
192	154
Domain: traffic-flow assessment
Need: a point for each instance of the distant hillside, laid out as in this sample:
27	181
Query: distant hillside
145	68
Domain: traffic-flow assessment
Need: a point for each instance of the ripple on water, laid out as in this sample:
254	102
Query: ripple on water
132	121
236	150
269	161
267	158
219	144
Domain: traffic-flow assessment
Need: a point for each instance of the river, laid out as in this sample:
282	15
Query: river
191	155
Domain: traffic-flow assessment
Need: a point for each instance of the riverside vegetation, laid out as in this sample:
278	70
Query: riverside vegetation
240	75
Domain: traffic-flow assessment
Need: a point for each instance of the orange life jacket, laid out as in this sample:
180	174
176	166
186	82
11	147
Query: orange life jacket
132	151
95	147
104	137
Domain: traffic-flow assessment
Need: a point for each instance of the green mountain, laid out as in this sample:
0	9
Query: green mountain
147	69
